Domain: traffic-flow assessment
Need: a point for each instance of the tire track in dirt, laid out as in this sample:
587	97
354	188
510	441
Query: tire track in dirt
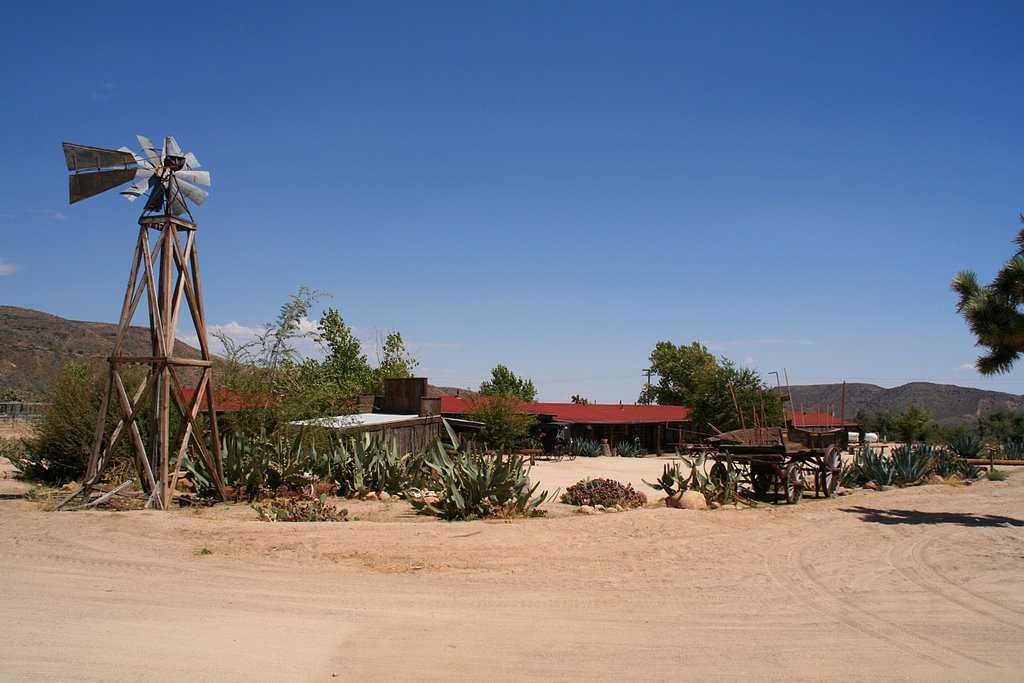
908	559
791	571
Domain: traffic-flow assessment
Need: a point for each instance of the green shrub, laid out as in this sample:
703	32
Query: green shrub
996	475
606	492
300	510
62	445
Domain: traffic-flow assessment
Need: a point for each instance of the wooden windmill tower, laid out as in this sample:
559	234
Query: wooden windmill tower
165	274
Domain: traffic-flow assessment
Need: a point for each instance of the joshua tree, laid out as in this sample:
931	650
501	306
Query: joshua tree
994	311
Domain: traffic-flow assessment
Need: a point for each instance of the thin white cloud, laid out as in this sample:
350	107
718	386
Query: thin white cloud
967	366
720	346
105	92
9	268
56	215
435	345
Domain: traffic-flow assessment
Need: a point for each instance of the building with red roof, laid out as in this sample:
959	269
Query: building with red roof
656	427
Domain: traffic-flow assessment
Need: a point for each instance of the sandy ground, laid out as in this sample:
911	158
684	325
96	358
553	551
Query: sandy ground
925	583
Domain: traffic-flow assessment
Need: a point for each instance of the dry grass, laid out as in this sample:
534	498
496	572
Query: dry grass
16	430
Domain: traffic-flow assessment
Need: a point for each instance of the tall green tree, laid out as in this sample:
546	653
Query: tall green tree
345	367
691	376
504	382
912	424
506	425
1004	425
994	311
393	360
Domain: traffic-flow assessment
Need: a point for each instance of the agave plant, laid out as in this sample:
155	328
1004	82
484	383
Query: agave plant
1013	450
912	463
627	449
588	448
471	484
673	481
876	467
376	465
966	445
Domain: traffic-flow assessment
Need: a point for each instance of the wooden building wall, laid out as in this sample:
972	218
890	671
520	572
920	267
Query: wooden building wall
402	395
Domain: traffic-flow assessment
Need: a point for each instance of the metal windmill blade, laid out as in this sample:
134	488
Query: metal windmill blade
166	176
95	170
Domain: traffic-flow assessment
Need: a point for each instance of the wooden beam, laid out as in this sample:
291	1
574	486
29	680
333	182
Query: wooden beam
163	360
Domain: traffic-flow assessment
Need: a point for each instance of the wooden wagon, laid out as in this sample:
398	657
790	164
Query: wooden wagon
776	463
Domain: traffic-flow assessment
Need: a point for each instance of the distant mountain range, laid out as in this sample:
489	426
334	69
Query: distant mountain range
35	345
948	404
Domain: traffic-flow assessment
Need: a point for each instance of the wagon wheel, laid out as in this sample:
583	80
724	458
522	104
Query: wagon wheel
831	471
794	483
761	480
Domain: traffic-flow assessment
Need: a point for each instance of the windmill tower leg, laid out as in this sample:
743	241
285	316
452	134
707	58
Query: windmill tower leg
169	277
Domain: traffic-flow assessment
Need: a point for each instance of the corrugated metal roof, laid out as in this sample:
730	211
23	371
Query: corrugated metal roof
584	413
359	420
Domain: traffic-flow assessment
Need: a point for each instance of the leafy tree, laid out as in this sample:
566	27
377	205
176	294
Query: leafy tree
270	373
505	424
912	424
345	367
504	382
283	386
879	423
579	400
993	311
691	376
1004	425
393	360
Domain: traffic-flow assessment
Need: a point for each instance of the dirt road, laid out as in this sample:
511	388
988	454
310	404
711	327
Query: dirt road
924	583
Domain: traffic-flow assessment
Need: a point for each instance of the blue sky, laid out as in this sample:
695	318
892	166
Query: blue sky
555	186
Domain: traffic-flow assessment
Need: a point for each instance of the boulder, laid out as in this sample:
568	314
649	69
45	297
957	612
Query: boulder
714	505
694	500
587	509
384	495
370	496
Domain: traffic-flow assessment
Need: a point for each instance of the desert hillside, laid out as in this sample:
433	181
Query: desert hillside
948	404
35	345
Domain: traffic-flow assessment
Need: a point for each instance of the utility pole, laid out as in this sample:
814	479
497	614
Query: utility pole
647	390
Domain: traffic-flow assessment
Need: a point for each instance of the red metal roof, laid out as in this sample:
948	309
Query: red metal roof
584	413
817	420
226	400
